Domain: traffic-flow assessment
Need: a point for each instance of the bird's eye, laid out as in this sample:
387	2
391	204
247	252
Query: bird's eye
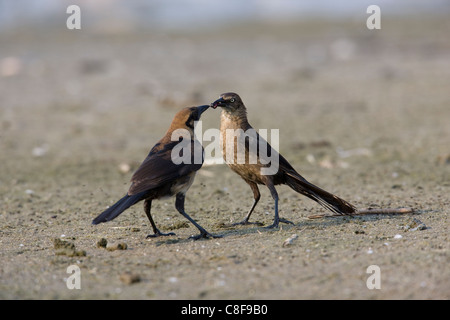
190	122
232	100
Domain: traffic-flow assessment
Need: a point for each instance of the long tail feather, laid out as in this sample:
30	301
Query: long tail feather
117	208
324	198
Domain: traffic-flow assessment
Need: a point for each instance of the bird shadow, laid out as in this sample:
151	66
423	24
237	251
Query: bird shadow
228	230
224	232
341	219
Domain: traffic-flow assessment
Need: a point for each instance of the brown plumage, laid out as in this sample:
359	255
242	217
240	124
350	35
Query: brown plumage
159	176
234	116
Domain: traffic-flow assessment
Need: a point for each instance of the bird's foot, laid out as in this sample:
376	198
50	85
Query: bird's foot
159	234
277	221
286	221
246	222
273	225
205	235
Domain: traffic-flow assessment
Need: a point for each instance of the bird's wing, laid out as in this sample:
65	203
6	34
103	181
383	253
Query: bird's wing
265	150
161	167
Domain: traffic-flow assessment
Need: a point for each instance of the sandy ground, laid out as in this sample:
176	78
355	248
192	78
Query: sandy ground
362	113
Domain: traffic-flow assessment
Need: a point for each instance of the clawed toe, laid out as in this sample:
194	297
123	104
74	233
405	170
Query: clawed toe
245	222
160	234
276	223
205	235
286	221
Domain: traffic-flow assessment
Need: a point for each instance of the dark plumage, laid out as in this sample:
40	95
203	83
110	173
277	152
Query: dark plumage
159	176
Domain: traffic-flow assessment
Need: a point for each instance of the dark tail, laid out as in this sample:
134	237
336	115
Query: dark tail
324	198
117	208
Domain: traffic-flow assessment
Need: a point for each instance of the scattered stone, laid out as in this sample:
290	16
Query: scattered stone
443	159
66	248
173	279
130	278
62	244
124	167
102	243
117	246
40	151
289	240
415	224
10	66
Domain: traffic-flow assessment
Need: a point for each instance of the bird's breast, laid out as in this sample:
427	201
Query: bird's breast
182	184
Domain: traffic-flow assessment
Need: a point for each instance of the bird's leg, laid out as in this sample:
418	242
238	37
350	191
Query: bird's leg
179	205
157	233
277	219
256	196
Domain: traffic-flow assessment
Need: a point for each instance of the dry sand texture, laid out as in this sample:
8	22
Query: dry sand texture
364	114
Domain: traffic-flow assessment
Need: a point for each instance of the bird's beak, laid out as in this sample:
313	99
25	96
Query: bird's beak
202	109
218	103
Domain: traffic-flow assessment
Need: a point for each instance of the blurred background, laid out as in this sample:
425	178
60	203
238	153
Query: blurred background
295	63
112	14
363	113
149	56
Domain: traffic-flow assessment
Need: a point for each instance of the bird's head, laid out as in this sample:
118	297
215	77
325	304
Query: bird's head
229	101
186	117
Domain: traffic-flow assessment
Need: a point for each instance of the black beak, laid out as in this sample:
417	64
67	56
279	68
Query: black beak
202	109
218	103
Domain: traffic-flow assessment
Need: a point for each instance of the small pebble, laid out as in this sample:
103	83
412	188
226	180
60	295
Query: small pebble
66	248
124	167
118	246
102	243
289	240
40	151
130	278
415	224
173	279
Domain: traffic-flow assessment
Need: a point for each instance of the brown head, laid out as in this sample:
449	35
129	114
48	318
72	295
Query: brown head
185	118
229	102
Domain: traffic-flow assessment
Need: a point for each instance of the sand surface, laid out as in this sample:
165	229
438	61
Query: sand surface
364	114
